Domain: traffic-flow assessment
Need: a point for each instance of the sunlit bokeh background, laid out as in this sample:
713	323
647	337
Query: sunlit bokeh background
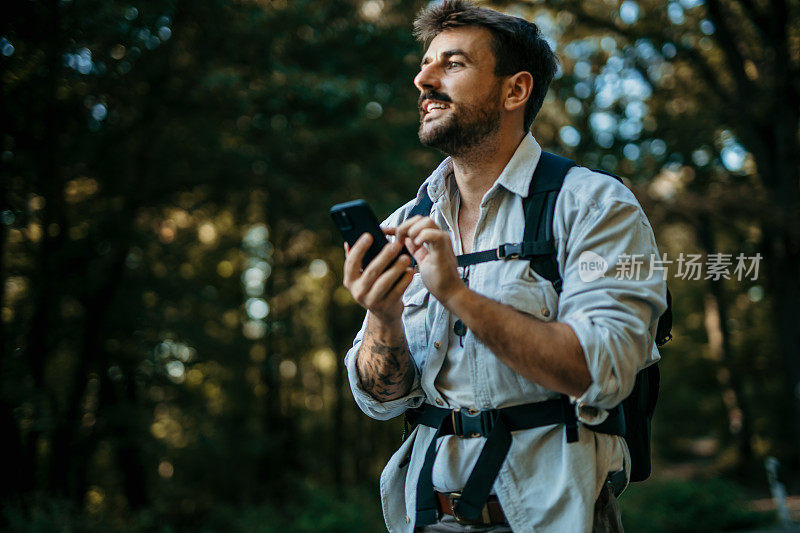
173	320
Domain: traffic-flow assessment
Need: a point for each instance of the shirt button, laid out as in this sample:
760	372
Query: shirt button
439	401
408	519
545	312
437	345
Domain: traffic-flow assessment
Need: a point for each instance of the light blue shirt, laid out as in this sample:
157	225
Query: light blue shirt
545	483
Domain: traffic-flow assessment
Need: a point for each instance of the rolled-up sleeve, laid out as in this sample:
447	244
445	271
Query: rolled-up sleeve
372	407
615	315
368	404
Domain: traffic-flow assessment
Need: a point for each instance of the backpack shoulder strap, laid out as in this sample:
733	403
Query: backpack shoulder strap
422	208
539	212
539	208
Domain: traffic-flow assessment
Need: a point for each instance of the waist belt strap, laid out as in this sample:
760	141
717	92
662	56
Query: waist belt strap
496	425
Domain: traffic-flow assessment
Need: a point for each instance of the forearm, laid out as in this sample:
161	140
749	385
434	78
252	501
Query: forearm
547	353
383	362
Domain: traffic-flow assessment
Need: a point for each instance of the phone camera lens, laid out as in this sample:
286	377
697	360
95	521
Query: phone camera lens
343	221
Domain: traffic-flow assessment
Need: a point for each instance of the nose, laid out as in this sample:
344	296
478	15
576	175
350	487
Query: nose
427	79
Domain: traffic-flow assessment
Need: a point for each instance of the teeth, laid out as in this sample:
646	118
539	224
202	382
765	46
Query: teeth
435	105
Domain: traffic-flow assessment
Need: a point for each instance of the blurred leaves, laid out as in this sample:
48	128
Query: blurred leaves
710	505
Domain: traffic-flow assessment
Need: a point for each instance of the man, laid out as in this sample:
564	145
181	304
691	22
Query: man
496	334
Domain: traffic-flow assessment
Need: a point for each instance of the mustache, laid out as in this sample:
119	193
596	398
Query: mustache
432	95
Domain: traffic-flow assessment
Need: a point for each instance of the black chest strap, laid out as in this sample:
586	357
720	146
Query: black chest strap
496	426
538	245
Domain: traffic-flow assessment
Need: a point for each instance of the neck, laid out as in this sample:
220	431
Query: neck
476	171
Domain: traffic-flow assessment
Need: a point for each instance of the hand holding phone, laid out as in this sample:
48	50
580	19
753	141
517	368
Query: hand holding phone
378	282
356	218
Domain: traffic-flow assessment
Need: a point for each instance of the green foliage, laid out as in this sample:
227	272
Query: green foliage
311	509
170	132
687	506
316	510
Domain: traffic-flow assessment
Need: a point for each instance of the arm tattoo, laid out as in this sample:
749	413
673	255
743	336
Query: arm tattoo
386	372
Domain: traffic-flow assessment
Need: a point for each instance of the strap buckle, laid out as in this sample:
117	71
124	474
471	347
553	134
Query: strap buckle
509	250
454	497
473	423
665	340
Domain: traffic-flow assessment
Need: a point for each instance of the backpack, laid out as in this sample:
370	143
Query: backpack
538	247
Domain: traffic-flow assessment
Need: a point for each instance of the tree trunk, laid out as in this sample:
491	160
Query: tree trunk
10	470
781	260
130	460
779	167
716	323
727	376
341	333
46	293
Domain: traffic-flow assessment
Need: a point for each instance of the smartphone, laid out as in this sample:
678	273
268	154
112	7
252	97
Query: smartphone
356	218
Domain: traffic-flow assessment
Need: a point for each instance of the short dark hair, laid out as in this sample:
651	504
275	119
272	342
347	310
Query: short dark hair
518	44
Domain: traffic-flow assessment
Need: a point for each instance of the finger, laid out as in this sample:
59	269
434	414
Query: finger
401	285
381	262
362	244
419	253
353	260
414	250
346	249
402	230
417	227
376	291
390	233
386	281
410	222
434	238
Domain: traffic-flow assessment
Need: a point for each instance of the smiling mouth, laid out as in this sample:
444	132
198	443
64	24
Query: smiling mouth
433	108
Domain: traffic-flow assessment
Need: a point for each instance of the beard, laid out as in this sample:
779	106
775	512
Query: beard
463	128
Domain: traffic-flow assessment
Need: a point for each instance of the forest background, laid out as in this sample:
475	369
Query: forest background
173	320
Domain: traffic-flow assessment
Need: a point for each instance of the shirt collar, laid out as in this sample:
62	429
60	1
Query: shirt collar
516	176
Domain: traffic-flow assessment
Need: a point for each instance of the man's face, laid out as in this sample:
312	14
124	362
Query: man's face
459	103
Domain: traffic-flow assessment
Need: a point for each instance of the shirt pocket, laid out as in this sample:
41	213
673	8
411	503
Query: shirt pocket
537	298
415	312
534	297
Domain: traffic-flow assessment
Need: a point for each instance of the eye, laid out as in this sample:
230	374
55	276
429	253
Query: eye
453	64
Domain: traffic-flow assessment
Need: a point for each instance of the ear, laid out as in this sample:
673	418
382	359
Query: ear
517	90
